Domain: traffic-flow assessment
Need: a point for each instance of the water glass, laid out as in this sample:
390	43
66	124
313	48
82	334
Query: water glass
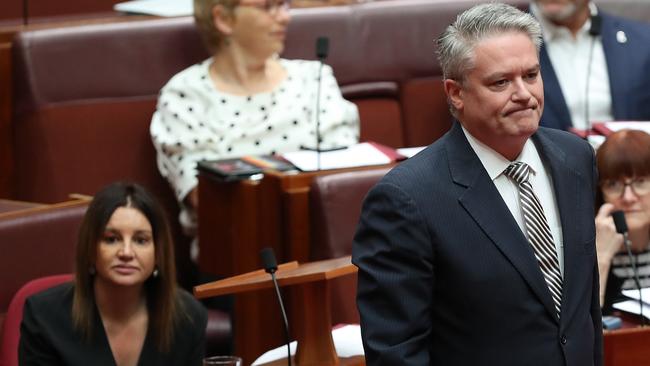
222	361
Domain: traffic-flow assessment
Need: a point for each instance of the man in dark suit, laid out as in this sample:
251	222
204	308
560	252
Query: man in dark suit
589	51
480	250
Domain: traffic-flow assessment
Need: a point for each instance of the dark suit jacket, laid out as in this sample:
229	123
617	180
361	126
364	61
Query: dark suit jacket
628	66
446	277
48	336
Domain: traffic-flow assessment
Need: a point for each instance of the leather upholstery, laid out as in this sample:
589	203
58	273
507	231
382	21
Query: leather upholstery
335	204
11	328
37	243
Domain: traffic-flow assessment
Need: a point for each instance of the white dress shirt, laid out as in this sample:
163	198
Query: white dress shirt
495	164
570	59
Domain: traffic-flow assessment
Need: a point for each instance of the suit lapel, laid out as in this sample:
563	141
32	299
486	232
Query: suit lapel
566	187
484	204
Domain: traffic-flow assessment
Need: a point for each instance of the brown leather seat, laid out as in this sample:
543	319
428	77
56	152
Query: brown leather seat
335	203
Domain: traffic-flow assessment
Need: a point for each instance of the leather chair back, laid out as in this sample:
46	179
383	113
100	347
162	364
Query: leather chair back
335	203
11	328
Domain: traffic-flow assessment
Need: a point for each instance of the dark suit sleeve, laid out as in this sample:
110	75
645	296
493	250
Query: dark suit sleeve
34	348
596	312
393	250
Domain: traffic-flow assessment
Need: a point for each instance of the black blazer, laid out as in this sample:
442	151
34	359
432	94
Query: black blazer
446	277
48	336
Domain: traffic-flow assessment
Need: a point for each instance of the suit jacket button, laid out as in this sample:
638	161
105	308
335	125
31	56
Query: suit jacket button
563	340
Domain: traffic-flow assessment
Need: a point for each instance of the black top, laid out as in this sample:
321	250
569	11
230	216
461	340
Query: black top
48	336
621	277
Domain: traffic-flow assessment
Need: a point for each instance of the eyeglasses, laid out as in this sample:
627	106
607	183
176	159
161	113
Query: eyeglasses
272	7
615	188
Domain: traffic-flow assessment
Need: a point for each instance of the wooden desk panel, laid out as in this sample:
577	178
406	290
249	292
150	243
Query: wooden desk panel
237	220
628	346
9	206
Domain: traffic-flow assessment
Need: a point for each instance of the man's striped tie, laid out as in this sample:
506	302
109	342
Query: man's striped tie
539	233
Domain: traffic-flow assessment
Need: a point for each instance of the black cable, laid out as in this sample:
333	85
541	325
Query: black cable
318	137
591	52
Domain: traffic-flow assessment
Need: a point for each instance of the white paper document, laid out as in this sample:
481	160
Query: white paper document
409	152
161	8
632	306
634	294
362	154
347	341
630	125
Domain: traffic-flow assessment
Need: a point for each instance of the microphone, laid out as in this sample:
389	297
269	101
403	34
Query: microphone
621	228
619	222
270	267
594	32
596	24
322	49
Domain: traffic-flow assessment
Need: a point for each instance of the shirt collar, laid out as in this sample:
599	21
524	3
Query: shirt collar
495	163
551	32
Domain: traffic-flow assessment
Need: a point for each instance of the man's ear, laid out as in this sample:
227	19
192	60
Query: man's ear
223	19
454	92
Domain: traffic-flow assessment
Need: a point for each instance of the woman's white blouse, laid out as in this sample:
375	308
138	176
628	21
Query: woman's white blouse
194	121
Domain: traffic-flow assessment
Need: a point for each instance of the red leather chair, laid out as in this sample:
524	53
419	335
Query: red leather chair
335	202
11	329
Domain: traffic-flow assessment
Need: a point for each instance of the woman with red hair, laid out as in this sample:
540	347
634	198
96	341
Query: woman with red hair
624	168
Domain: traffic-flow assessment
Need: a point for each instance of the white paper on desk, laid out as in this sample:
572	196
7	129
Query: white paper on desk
409	152
362	154
632	306
347	341
162	8
634	294
630	125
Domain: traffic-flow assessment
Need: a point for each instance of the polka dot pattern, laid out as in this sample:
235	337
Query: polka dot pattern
194	121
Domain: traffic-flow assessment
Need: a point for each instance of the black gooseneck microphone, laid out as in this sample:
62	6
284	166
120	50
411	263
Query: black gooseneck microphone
594	32
322	49
270	266
621	228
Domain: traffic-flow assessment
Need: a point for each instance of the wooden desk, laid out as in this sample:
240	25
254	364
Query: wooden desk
628	346
7	206
237	220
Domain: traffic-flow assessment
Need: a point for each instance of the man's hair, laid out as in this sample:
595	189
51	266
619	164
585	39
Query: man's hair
455	46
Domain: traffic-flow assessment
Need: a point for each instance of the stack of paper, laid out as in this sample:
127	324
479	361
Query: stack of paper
362	154
347	341
161	8
632	306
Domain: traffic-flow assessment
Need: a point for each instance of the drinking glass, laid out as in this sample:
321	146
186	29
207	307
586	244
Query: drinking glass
222	361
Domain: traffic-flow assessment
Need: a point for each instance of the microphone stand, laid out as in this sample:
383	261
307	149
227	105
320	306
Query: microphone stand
318	138
594	32
635	271
587	119
270	266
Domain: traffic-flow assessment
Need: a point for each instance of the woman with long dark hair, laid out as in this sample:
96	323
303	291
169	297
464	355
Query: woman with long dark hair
124	307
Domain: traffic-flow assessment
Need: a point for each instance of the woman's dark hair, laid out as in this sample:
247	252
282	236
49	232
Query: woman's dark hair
624	154
163	303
